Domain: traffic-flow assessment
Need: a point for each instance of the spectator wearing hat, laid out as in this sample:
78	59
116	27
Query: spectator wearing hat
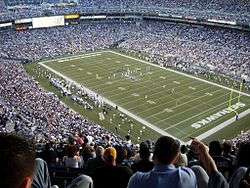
111	175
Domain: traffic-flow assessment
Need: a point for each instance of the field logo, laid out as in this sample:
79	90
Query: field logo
217	115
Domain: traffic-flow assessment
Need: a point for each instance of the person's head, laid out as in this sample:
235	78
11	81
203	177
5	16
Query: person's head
110	155
121	154
215	148
144	151
72	151
227	147
243	154
48	146
99	151
88	152
166	150
181	160
130	153
17	161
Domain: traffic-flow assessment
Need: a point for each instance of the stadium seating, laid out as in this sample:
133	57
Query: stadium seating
225	10
206	175
28	110
186	47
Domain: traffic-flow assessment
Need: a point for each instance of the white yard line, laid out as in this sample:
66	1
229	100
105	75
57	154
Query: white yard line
196	115
156	93
156	129
141	85
111	91
143	92
170	101
177	106
73	56
220	126
184	74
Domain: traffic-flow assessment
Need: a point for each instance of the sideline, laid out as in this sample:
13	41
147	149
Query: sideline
220	126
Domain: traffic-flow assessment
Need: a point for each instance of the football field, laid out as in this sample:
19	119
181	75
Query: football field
165	101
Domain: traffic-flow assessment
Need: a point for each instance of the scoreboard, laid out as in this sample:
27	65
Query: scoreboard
52	21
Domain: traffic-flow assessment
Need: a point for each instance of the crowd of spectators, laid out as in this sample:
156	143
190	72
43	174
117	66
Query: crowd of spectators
2	7
65	139
235	10
166	163
74	142
30	111
51	42
179	46
185	47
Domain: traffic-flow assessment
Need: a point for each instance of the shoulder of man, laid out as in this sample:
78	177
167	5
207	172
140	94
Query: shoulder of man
125	169
187	176
137	179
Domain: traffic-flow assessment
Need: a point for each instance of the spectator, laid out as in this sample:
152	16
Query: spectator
94	163
17	162
73	160
144	164
41	115
228	153
18	166
242	156
242	163
49	154
223	164
164	174
182	159
216	179
245	182
233	11
111	175
88	153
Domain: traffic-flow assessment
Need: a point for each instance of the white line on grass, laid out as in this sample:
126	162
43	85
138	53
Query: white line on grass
156	129
214	107
73	56
194	115
217	128
139	88
145	81
156	93
177	106
184	74
175	99
171	95
220	126
143	92
226	123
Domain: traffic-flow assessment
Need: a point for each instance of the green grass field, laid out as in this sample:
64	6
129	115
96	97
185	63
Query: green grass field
162	100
